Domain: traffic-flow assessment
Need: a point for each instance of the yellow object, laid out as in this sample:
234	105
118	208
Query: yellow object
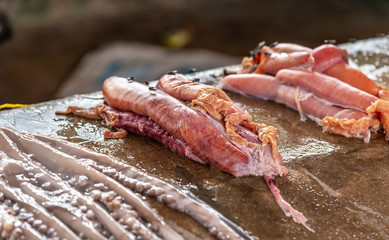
11	105
178	39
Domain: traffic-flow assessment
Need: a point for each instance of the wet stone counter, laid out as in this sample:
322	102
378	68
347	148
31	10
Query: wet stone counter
339	184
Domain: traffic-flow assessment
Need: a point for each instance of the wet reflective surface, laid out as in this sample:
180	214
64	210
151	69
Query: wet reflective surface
340	184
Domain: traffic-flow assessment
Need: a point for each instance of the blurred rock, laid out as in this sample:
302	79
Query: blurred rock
144	62
5	28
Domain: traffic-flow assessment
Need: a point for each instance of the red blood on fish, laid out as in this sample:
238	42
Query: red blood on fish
271	62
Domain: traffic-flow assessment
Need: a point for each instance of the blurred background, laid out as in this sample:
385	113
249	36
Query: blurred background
53	48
